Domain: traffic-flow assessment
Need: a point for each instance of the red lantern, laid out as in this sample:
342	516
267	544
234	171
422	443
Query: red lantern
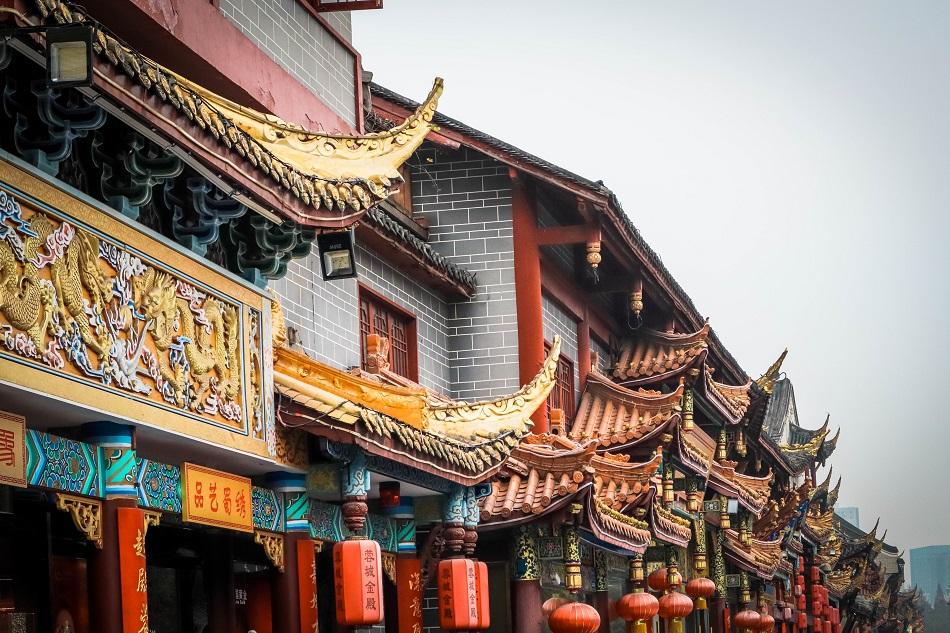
357	578
551	604
389	494
816	624
726	620
675	606
481	594
827	626
747	620
639	607
802	620
800	580
800	603
815	573
699	589
458	599
766	622
574	617
787	614
657	580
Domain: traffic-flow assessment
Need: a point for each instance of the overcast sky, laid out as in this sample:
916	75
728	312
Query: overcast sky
790	163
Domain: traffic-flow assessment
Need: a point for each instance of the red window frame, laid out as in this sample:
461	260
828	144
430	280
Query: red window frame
562	395
379	315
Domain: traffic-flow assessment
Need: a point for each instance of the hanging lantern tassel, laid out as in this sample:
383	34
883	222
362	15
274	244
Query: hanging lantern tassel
675	606
638	608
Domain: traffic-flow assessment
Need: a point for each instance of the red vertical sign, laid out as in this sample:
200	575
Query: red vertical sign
132	574
307	584
409	594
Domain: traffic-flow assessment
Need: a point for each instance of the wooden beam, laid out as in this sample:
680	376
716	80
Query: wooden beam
571	234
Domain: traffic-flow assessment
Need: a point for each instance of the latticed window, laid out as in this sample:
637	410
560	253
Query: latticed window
562	395
378	316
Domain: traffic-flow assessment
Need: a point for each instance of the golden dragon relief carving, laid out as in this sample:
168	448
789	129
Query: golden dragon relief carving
82	305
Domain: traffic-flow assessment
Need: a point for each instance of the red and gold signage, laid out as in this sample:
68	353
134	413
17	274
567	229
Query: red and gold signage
12	450
409	594
215	498
307	584
358	581
482	595
132	577
458	598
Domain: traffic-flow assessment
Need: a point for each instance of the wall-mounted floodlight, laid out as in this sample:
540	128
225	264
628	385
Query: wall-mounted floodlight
337	256
69	55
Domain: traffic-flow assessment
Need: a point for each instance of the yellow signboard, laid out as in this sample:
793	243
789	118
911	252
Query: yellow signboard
216	498
12	450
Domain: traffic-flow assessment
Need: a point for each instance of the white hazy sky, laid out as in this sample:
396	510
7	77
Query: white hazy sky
791	164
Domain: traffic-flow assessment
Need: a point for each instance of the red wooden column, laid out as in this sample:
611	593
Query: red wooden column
527	259
105	610
583	350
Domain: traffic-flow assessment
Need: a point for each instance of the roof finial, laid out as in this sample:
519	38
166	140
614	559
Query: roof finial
767	380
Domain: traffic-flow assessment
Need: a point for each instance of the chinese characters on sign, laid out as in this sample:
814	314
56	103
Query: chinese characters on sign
132	575
12	450
409	596
357	576
216	498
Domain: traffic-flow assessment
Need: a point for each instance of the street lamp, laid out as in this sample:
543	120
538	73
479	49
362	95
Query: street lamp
69	55
337	258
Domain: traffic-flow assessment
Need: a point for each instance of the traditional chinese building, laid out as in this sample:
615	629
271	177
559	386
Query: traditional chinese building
264	323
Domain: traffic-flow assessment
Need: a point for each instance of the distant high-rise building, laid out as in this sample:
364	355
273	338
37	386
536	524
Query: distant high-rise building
930	568
850	515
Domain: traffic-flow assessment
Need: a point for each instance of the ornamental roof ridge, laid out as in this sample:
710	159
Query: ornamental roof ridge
653	356
616	415
767	380
321	171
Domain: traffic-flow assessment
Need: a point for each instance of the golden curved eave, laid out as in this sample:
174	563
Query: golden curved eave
323	171
475	422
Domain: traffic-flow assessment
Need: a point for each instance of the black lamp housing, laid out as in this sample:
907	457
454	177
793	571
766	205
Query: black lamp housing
69	55
337	256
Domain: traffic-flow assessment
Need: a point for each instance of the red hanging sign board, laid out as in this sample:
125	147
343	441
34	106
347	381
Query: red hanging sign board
307	584
409	594
132	576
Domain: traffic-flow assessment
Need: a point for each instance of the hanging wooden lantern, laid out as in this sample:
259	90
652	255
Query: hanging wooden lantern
458	599
675	606
357	579
482	596
550	605
574	617
637	609
747	620
802	620
657	580
800	604
815	573
699	589
816	624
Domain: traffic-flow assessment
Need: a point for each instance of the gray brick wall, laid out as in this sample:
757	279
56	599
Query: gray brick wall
293	38
326	314
466	198
556	321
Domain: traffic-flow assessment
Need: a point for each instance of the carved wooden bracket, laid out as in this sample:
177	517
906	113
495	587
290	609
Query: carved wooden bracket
432	553
389	566
86	514
152	518
273	545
